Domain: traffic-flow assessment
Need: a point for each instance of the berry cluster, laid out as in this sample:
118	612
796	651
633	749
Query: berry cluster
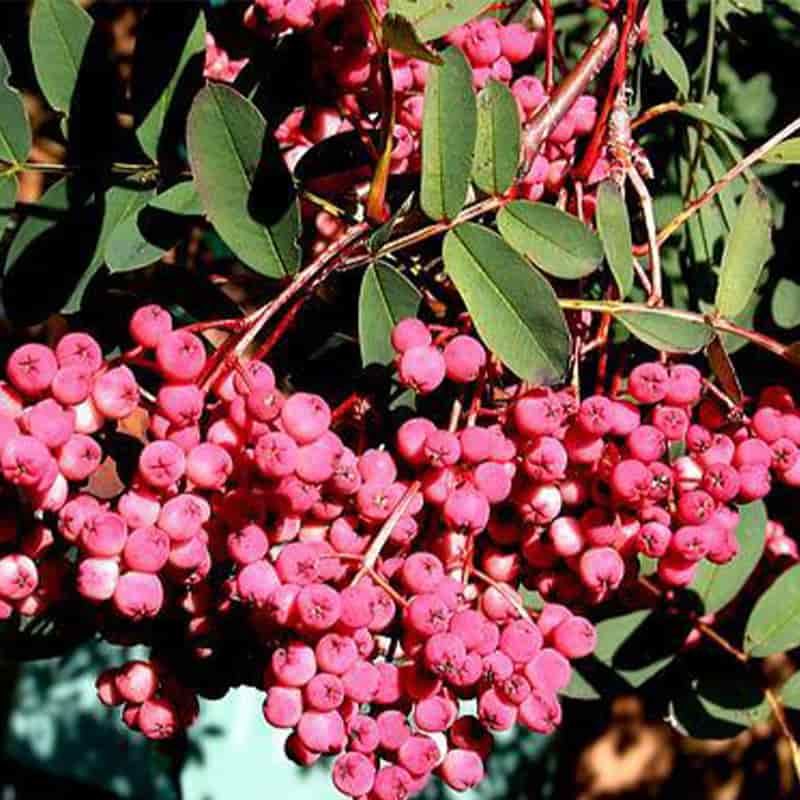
375	591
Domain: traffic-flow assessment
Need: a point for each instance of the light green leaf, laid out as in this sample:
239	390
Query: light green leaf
15	131
785	304
149	128
60	31
716	585
664	332
774	623
400	35
670	60
498	142
8	196
435	18
748	247
449	125
711	116
128	247
787	152
226	139
614	228
557	242
513	307
386	297
182	198
790	692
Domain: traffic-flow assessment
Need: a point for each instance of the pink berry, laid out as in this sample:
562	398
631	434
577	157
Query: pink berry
115	393
283	706
408	333
574	637
79	458
180	356
161	464
138	595
422	368
136	681
31	369
146	549
305	417
353	774
105	535
149	325
464	358
648	383
97	578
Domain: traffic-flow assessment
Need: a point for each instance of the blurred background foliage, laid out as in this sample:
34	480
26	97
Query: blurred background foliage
57	741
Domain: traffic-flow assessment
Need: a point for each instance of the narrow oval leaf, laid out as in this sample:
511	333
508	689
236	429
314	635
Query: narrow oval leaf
15	131
631	649
712	117
664	332
60	31
670	60
498	142
614	228
449	124
719	705
386	297
557	242
151	116
242	181
182	198
787	152
716	585
400	35
513	307
790	692
748	247
774	624
435	18
785	305
8	197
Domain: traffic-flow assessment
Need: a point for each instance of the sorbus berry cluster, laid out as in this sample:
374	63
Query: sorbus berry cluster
375	590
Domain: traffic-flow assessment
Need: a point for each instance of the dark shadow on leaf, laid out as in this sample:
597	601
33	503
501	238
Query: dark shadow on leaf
658	637
273	190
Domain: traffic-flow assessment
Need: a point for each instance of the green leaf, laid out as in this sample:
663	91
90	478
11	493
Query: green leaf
557	242
716	585
631	649
386	297
128	247
726	199
119	202
182	198
774	623
614	228
400	35
513	307
664	332
235	178
382	234
60	31
790	692
712	117
435	18
151	124
785	304
449	124
787	152
8	197
15	131
498	142
719	705
748	247
670	60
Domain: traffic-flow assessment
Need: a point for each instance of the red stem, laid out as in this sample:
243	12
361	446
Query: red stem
280	329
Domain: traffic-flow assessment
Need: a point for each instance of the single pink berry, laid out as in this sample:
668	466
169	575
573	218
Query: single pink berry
31	369
353	774
180	356
158	719
283	706
408	333
464	358
136	681
161	464
146	549
104	535
422	368
305	417
97	578
574	637
648	382
138	595
115	393
149	325
79	458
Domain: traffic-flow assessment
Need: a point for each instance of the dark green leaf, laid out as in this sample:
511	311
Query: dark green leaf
399	34
435	18
386	297
717	585
557	242
785	304
774	623
726	199
664	332
8	196
712	117
631	649
614	228
449	123
179	199
150	127
128	246
748	247
670	60
60	31
787	152
790	692
238	181
513	307
498	142
718	705
382	234
15	131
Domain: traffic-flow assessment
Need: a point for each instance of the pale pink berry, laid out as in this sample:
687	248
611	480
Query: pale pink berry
362	681
149	325
392	783
31	369
353	774
305	417
601	569
146	549
24	461
104	535
575	637
646	443
625	417
517	42
256	583
181	404
136	681
493	481
161	464
208	466
648	382
418	754
538	416
363	734
79	458
754	482
97	578
18	577
653	539
408	333
464	358
520	640
115	393
180	356
324	692
294	665
158	719
548	670
183	516
283	706
318	607
422	368
672	421
49	422
138	595
422	572
494	712
322	731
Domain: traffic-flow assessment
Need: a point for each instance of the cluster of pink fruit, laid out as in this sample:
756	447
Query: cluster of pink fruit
579	490
377	592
